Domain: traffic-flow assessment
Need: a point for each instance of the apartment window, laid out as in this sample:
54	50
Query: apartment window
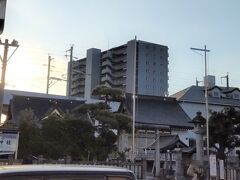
147	70
154	80
154	72
154	63
147	62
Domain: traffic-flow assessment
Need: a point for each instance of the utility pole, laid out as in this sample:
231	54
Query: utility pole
227	80
70	72
134	98
205	50
4	60
48	72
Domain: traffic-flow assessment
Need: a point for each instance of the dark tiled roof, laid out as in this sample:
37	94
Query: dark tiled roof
169	142
166	111
40	106
196	94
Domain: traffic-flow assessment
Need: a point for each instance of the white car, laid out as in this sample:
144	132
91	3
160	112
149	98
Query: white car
64	172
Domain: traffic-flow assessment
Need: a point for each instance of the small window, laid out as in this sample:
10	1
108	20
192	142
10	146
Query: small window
235	96
216	94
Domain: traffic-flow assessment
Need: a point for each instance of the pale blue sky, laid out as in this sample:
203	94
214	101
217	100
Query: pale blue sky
50	26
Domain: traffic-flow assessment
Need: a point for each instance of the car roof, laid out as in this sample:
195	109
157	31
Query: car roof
20	169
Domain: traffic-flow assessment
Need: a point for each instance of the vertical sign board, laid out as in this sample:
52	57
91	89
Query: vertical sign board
213	165
221	166
8	142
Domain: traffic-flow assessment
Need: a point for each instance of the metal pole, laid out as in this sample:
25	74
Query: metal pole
70	72
48	73
157	154
206	98
134	98
4	66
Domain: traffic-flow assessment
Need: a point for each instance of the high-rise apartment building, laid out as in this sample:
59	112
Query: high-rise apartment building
141	62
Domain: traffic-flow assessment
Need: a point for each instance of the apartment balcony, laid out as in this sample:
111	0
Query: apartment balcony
119	67
106	62
76	77
82	62
119	51
119	74
106	78
77	90
78	84
119	59
106	70
113	83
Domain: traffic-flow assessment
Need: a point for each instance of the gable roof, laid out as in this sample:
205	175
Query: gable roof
169	142
40	106
230	90
196	94
165	111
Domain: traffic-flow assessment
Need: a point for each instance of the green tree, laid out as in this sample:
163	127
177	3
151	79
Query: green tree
108	93
56	140
224	128
81	134
106	119
30	140
67	136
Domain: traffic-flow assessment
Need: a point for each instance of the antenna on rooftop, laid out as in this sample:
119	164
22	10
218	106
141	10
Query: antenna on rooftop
227	80
197	82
